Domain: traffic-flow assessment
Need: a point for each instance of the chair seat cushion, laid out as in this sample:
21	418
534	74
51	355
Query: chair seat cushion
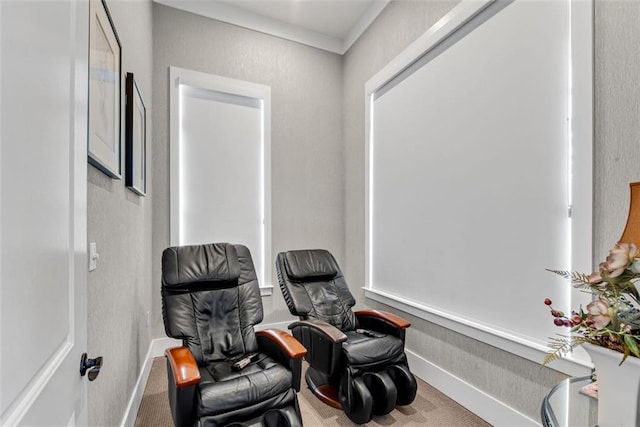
222	389
363	350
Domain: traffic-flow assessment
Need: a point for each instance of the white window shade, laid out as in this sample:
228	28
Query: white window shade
469	179
219	175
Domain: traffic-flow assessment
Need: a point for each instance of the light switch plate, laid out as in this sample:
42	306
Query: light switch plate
93	256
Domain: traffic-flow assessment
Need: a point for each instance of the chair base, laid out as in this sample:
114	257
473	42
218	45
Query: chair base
323	388
288	416
371	393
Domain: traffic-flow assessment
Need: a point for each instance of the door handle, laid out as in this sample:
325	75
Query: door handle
91	367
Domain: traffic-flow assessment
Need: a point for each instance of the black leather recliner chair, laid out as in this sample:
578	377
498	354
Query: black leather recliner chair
357	360
211	301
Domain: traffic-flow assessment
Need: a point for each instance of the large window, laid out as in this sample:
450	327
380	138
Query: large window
479	170
219	164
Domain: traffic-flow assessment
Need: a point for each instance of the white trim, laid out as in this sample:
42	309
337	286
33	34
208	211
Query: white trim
174	155
159	345
278	325
363	23
480	403
1	174
181	76
266	291
582	132
447	25
213	82
19	407
505	340
256	22
263	24
156	349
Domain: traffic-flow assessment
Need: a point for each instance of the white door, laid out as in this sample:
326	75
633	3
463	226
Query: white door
43	258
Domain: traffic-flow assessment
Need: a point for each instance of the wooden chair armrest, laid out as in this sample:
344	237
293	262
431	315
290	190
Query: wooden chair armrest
184	366
291	346
333	333
395	320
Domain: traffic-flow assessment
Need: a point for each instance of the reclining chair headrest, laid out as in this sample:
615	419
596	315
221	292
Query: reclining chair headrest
215	263
310	264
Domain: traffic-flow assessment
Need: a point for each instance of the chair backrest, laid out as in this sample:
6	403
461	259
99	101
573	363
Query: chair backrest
211	299
314	288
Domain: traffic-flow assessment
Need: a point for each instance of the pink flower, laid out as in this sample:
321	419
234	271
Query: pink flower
599	313
610	319
595	278
620	257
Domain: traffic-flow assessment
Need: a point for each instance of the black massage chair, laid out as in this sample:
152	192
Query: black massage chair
356	360
225	374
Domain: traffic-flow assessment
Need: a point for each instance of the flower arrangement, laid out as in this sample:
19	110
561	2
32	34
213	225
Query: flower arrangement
612	319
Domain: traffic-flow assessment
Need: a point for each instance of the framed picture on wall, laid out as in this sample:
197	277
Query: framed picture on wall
104	150
135	138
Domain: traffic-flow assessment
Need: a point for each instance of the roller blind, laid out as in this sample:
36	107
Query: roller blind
470	172
219	169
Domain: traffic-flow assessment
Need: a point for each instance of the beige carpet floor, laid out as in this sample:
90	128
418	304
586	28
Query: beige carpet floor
430	408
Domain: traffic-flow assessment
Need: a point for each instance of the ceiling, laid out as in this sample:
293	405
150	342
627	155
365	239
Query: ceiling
332	25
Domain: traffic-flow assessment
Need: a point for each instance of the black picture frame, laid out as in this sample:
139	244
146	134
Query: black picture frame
135	138
104	149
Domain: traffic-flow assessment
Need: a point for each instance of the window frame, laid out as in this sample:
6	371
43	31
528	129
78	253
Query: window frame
183	77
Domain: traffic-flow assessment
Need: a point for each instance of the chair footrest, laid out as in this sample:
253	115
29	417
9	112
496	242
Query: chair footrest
280	417
376	392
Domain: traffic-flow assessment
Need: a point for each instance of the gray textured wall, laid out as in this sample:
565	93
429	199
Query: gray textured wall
518	382
119	221
617	118
306	142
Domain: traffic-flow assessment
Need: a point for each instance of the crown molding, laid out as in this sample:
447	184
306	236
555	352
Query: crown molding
363	23
275	27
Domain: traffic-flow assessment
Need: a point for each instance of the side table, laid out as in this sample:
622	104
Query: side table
565	406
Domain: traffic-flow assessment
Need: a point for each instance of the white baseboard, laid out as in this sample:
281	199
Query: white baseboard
480	403
156	349
280	325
